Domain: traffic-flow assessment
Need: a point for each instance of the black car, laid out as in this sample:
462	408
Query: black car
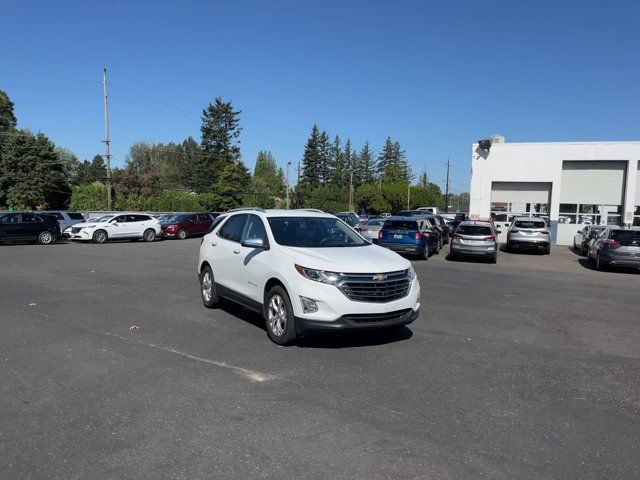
28	227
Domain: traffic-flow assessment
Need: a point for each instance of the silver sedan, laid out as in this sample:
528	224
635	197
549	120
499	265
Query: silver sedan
371	229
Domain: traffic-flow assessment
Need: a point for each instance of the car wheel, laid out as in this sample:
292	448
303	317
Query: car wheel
45	238
494	259
427	251
208	288
99	236
149	235
182	234
547	250
279	317
599	265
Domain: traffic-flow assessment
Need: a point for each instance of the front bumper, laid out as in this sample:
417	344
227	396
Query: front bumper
358	322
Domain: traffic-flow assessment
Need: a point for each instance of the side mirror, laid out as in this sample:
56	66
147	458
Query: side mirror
254	243
115	224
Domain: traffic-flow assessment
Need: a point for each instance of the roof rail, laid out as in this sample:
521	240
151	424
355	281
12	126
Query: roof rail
316	210
240	209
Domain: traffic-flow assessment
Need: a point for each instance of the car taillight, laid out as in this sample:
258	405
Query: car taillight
611	243
490	239
379	233
418	235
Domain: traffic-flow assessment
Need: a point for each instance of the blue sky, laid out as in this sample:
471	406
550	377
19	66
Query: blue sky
436	76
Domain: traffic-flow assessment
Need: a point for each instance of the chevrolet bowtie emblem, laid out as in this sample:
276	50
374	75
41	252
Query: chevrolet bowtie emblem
380	277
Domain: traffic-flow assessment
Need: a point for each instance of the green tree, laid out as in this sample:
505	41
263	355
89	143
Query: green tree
337	169
367	164
311	163
32	173
91	196
371	200
423	181
7	118
71	164
232	186
268	182
326	160
220	131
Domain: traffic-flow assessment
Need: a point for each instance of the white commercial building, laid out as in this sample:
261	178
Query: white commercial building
570	184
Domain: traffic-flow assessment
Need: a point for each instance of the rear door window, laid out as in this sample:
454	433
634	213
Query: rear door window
232	229
401	225
30	218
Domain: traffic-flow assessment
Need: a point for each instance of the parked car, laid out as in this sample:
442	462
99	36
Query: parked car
584	236
434	210
475	239
185	225
65	218
131	226
350	218
529	233
408	235
371	229
615	247
385	215
304	272
441	225
28	227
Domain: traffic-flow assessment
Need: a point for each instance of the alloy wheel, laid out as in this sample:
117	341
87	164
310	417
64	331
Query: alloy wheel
46	238
207	286
277	315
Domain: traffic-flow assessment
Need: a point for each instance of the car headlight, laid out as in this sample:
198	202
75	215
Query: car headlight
411	273
330	278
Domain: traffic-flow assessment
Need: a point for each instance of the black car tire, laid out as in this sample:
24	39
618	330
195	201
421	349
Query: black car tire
45	237
289	334
494	259
149	235
208	293
599	265
99	236
547	250
427	251
182	234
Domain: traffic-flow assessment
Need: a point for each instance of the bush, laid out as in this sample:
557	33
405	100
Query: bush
92	196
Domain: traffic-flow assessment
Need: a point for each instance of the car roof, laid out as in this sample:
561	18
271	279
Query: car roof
484	223
281	213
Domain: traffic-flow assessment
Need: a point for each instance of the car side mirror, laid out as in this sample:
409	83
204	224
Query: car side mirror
115	224
254	243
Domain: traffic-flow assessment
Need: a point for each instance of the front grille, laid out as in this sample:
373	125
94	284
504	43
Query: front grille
377	317
369	287
76	229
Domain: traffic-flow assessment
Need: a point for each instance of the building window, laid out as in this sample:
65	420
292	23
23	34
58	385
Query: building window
590	214
636	217
506	211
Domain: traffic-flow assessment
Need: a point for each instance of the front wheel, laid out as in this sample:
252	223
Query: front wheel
281	326
149	235
45	238
182	234
100	236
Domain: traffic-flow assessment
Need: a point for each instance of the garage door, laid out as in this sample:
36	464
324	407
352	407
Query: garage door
520	192
600	183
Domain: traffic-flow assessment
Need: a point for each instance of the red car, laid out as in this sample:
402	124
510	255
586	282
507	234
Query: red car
183	225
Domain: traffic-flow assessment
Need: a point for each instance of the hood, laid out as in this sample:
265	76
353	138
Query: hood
367	259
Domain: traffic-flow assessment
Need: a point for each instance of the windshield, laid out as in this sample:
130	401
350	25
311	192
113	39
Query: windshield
101	219
530	224
314	232
473	230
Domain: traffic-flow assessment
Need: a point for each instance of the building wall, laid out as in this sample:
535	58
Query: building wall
542	162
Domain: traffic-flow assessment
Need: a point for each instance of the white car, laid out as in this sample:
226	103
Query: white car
132	226
305	271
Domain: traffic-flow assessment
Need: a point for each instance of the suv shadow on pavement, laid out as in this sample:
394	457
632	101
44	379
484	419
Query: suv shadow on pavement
583	261
325	339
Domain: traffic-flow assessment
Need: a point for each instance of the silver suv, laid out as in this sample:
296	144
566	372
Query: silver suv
615	247
475	239
529	233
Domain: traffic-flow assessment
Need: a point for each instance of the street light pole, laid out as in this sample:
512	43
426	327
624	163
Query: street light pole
288	164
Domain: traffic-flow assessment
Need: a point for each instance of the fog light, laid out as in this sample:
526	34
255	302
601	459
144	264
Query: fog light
308	305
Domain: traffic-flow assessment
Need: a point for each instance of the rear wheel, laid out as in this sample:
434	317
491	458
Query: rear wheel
547	250
279	316
99	236
45	238
149	235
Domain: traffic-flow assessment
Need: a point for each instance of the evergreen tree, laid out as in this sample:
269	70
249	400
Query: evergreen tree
32	173
386	164
232	186
400	160
311	161
268	182
7	118
337	169
326	161
220	131
424	180
367	162
392	163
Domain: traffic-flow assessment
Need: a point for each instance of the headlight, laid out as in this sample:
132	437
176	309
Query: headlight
411	273
330	278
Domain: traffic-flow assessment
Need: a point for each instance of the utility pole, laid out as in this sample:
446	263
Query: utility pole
106	136
351	190
298	188
288	164
446	190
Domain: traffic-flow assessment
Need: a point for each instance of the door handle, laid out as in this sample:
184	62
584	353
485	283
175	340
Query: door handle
236	251
213	244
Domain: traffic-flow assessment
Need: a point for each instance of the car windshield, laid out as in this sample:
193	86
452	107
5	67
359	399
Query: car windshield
171	217
626	237
314	232
101	219
530	224
473	230
401	224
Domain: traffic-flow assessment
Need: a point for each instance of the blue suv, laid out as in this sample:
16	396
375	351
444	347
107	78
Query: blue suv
409	235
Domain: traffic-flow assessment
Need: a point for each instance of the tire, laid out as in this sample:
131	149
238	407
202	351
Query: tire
494	259
547	250
99	236
182	234
599	265
149	235
45	238
278	314
425	254
210	298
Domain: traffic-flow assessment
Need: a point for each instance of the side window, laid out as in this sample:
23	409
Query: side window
141	218
119	219
255	229
193	218
29	218
203	217
216	222
232	229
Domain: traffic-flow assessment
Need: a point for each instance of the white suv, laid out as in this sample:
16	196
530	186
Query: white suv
305	270
132	226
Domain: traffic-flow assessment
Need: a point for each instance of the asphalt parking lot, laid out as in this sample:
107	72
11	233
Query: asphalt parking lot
112	369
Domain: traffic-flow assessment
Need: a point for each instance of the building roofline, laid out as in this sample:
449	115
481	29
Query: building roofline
608	142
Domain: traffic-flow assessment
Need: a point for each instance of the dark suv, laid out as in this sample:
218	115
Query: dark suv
408	235
185	225
28	227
